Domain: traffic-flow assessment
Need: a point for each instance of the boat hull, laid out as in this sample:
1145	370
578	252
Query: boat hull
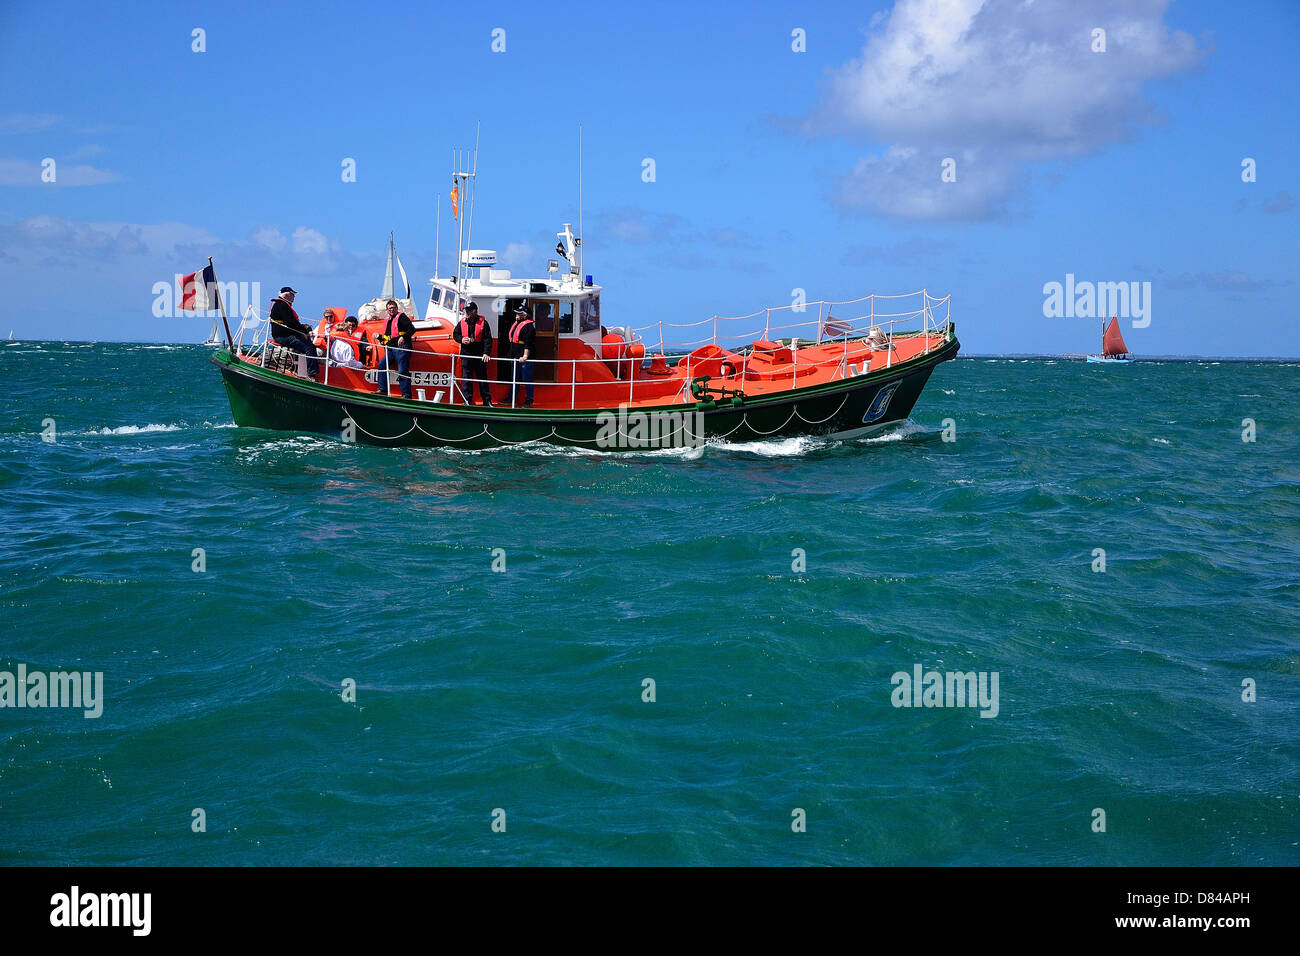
854	406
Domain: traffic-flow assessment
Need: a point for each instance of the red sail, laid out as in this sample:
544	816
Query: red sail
1112	343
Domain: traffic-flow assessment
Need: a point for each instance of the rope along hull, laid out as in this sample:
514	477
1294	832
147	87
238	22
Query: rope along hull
263	399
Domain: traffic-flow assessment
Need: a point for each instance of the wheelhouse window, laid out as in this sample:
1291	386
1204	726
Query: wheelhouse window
544	316
566	318
589	314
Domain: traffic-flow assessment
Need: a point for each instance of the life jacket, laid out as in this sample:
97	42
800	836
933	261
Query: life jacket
328	325
352	341
478	332
517	330
394	336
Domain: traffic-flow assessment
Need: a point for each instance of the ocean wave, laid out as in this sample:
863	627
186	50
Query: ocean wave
297	445
899	432
134	429
794	447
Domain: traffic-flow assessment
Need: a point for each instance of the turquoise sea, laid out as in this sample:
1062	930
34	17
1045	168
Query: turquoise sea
522	690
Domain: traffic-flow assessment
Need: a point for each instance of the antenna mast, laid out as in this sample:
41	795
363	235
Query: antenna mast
456	207
469	237
437	234
580	273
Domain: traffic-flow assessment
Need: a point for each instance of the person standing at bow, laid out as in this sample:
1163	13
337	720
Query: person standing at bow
475	339
522	334
397	338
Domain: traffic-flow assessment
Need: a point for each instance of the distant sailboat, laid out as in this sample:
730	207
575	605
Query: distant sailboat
213	338
1113	348
11	335
404	302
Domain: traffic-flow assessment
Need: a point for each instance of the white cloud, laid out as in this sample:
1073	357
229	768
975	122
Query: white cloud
53	234
20	172
18	123
175	245
995	84
632	224
519	255
268	237
309	242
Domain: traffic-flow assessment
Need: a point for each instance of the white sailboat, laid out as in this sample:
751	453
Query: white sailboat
213	337
376	307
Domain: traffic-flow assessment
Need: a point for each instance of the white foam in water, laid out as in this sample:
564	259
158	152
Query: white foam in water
135	429
765	447
775	447
900	432
298	445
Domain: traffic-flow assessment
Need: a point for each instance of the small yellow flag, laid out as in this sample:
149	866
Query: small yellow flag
455	201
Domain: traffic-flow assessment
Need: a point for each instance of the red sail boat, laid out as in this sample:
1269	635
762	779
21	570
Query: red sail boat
1113	348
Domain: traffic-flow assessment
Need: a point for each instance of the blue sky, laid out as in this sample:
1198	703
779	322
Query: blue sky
774	169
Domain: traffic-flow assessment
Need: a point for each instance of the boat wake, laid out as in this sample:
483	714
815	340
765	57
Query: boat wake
134	429
153	427
798	446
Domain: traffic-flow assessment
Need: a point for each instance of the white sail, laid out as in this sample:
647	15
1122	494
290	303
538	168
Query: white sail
387	291
405	281
375	307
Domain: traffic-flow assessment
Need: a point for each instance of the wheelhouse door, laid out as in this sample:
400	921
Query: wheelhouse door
545	341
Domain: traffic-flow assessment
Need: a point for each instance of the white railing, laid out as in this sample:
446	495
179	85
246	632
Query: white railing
929	317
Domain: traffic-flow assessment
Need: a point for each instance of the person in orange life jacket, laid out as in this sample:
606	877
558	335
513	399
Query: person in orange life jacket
288	332
475	340
345	349
397	337
521	348
363	344
327	326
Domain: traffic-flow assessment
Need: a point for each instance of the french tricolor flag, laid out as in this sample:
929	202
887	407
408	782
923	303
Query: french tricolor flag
199	291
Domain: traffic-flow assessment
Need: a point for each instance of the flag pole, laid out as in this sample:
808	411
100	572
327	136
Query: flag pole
230	340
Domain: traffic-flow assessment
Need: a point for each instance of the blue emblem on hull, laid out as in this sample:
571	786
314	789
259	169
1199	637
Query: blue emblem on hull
880	404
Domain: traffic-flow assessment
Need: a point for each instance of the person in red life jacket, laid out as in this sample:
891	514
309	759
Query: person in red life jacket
521	349
345	347
288	332
475	340
397	339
